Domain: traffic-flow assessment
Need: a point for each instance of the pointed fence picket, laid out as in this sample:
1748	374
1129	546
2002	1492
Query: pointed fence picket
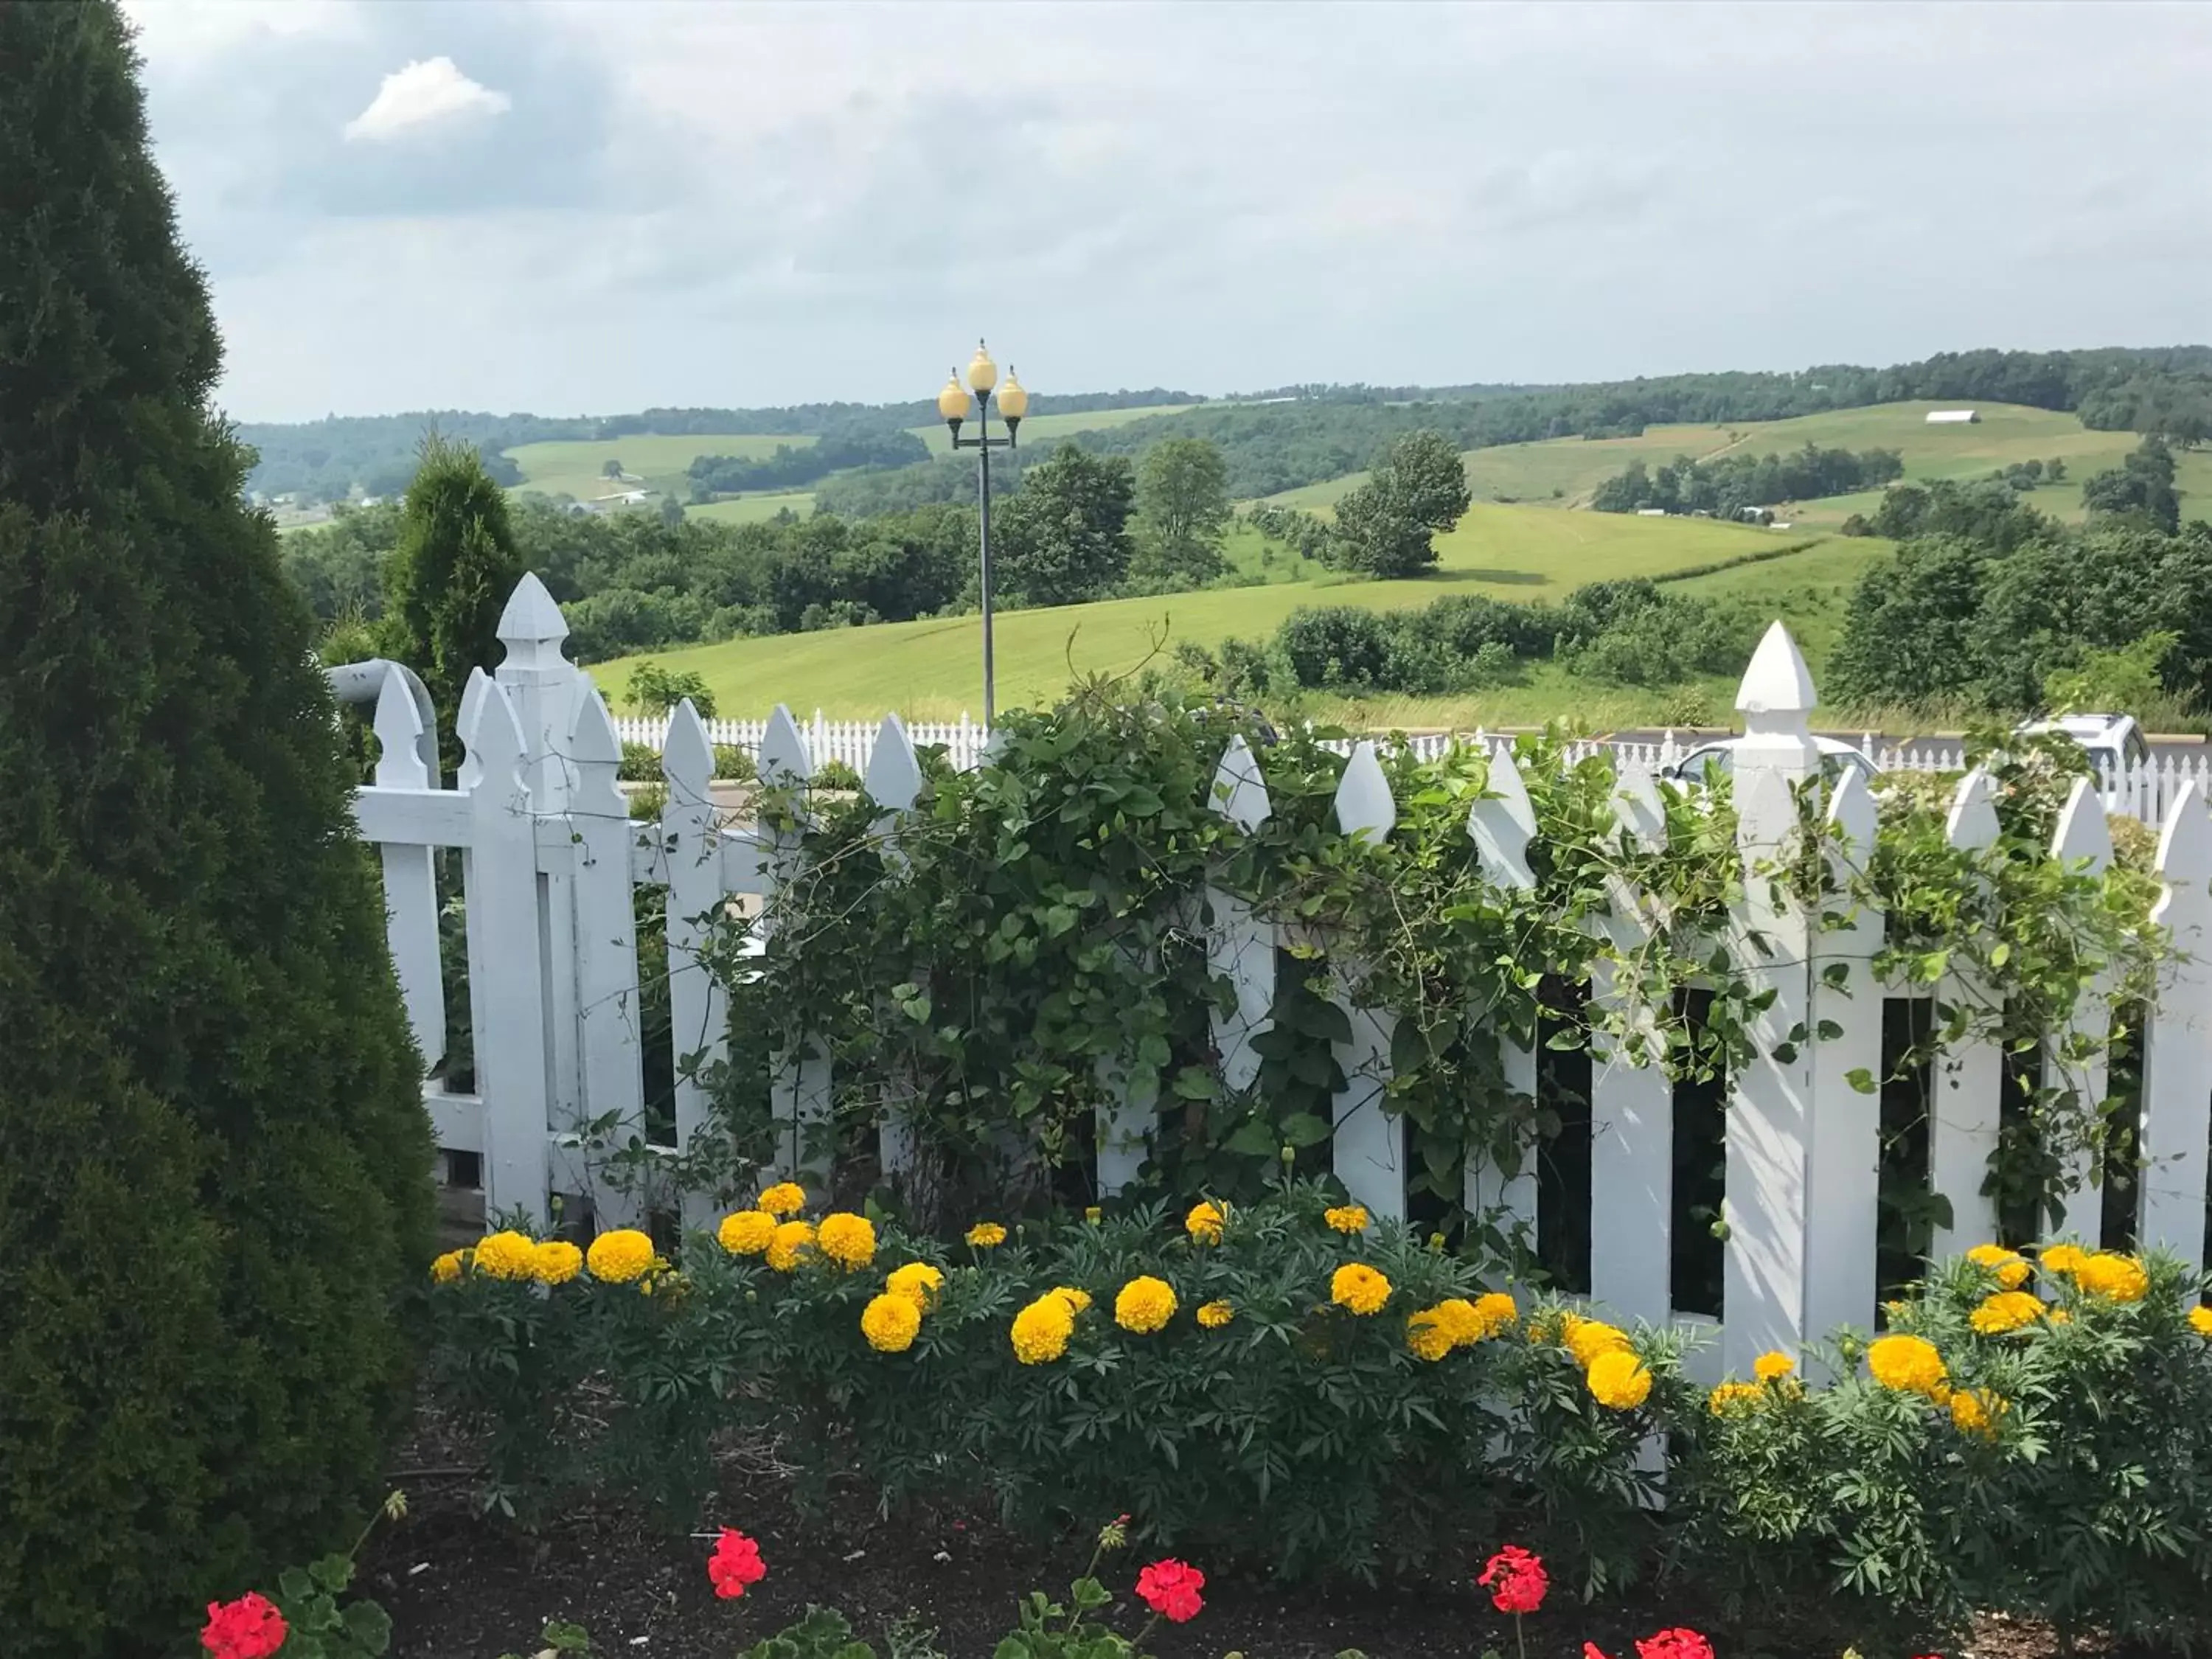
551	863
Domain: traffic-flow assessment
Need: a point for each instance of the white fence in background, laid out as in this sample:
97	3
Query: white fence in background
2143	790
551	861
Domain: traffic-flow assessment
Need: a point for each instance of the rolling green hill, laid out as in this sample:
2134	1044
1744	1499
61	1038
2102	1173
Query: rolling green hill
573	468
755	508
2006	433
931	669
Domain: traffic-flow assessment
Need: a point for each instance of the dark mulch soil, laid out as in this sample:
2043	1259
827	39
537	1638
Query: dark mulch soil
460	1587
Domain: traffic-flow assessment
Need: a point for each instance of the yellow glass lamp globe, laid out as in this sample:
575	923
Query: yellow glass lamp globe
1013	401
952	402
982	372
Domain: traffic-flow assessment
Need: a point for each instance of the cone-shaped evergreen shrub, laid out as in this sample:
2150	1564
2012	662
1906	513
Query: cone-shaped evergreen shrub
449	578
213	1159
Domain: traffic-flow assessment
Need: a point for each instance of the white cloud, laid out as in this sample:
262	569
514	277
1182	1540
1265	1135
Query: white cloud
427	92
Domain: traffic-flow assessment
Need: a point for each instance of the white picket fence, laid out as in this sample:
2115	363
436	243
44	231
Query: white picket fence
2142	791
550	859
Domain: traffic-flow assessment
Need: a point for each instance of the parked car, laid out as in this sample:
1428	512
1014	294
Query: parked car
1837	758
2113	741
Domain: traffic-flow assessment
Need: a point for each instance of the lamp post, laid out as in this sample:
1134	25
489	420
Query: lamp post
953	403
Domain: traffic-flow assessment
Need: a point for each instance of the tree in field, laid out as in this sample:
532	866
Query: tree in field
610	468
214	1160
449	577
1182	515
2141	485
1065	537
1388	526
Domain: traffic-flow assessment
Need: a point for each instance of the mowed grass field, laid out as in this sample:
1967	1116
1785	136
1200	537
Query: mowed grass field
2006	433
575	468
755	508
1044	427
931	669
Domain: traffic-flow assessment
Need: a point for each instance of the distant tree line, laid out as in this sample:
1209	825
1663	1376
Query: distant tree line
1725	485
796	466
1323	433
1988	603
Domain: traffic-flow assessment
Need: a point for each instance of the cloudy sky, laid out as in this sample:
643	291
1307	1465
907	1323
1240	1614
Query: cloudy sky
574	206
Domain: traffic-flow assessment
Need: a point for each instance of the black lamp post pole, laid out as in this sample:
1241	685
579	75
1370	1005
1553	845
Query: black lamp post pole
985	443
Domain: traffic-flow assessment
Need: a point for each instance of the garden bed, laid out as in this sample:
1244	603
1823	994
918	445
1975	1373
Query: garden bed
462	1587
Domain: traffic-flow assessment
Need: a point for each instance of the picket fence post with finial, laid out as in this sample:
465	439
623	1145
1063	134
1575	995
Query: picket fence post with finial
1770	1110
2082	840
691	842
1370	1145
1240	947
1844	1027
507	1002
800	1080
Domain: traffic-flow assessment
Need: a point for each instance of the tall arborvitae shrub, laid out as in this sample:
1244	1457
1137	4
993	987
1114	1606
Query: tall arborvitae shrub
214	1163
449	577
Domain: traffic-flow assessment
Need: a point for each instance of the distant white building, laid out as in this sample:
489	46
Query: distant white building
1953	416
1651	511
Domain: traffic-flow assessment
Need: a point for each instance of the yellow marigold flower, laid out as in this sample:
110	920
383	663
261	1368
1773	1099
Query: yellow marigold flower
1348	1218
2109	1274
556	1261
1772	1367
1214	1315
786	1198
1092	1212
1617	1379
889	1322
447	1268
987	1235
2059	1317
2009	1266
747	1232
1907	1363
2200	1320
1205	1221
1042	1330
1729	1396
792	1242
2063	1258
1975	1411
2006	1310
1359	1287
619	1257
507	1255
1493	1313
918	1282
1586	1339
846	1239
1460	1321
1428	1333
1144	1304
1078	1301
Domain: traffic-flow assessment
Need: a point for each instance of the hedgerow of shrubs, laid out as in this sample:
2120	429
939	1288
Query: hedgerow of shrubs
1296	1384
1630	632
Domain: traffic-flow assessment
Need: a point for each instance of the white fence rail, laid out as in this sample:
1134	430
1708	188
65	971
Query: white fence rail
550	861
2143	790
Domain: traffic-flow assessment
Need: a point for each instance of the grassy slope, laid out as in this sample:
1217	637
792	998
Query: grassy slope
755	508
930	669
1043	429
2005	433
573	468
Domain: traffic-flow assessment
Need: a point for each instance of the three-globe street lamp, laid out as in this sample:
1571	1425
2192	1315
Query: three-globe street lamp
953	403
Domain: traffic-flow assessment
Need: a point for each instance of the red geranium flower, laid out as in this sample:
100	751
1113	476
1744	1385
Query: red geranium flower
1675	1644
1590	1651
1170	1588
248	1628
1516	1580
735	1564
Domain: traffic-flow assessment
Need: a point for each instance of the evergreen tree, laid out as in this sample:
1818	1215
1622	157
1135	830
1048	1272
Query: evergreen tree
213	1156
450	577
